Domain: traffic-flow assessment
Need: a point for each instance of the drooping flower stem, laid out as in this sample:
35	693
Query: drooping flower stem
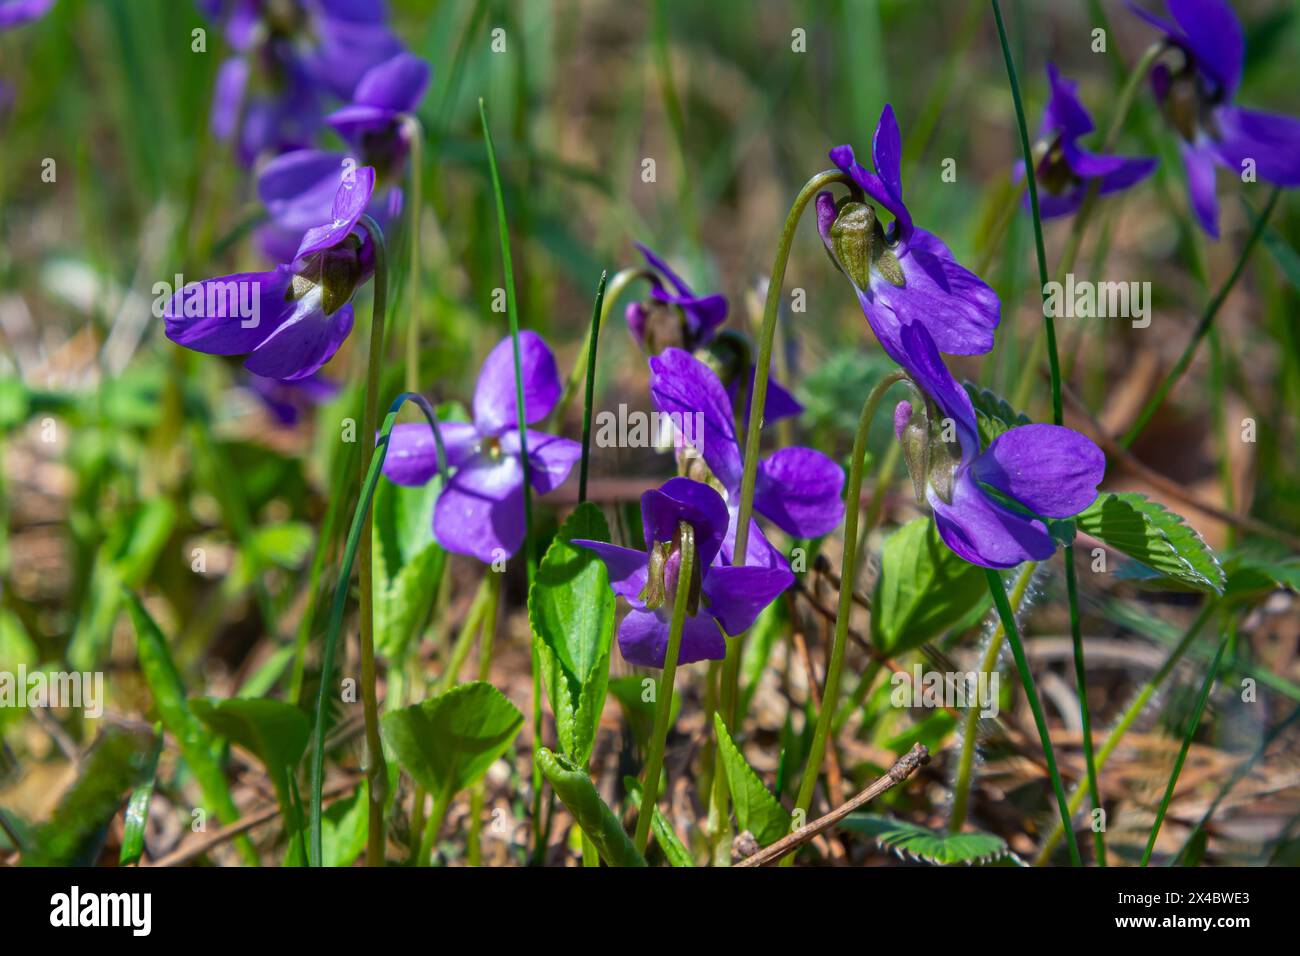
1027	681
357	531
486	637
1192	723
589	397
1202	327
1131	713
757	402
970	728
848	571
530	557
617	284
416	133
664	703
376	770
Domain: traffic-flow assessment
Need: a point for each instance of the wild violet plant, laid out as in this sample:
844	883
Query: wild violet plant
741	538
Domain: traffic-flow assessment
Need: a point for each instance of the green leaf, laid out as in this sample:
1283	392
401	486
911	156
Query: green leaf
117	762
593	815
344	826
447	742
757	810
409	563
631	693
674	850
1174	557
571	613
994	413
136	818
1256	573
273	731
931	846
196	744
923	589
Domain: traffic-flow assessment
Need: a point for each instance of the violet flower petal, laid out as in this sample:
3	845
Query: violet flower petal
550	458
681	499
1051	470
628	569
1199	163
1271	140
643	639
482	509
682	385
209	317
303	343
799	490
982	531
737	595
350	202
412	457
495	406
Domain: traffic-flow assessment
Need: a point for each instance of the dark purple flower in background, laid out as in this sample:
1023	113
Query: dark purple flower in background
374	122
1195	88
904	274
298	190
481	511
292	320
14	13
987	505
289	57
1067	171
675	317
723	600
286	402
797	489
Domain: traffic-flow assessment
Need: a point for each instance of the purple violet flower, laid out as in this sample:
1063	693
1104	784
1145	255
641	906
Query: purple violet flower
481	511
298	190
374	122
797	489
289	56
1066	171
987	504
677	317
906	274
292	320
14	13
287	401
724	600
1195	87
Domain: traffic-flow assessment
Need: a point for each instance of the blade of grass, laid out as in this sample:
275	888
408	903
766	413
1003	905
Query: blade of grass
512	312
590	395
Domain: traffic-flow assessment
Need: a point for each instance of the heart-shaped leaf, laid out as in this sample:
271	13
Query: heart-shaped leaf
571	611
409	563
447	742
674	850
271	730
1173	555
923	590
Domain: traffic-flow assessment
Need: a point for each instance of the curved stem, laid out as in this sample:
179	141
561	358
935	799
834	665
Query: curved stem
848	568
1027	681
616	286
1202	327
970	728
416	133
375	768
357	531
597	312
664	706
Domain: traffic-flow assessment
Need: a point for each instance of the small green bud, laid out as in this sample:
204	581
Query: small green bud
853	235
